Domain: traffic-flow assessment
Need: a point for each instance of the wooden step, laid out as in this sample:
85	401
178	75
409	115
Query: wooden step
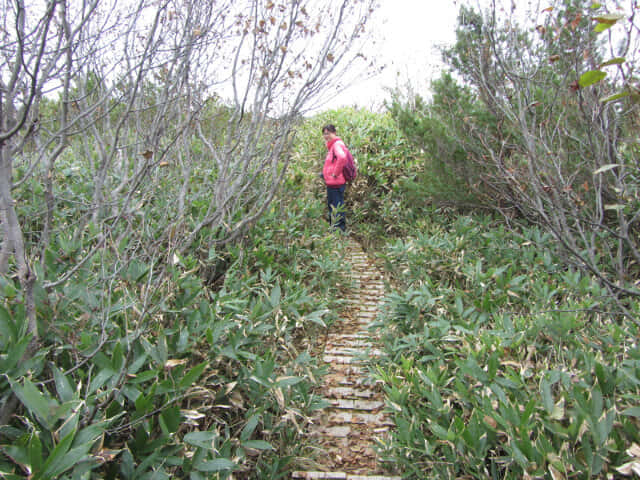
339	476
355	420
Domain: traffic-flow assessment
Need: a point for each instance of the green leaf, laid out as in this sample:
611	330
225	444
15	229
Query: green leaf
499	392
161	350
136	271
35	452
316	317
138	362
257	444
144	403
117	357
609	18
8	330
18	454
631	412
192	375
606	378
127	467
100	379
91	433
11	476
441	432
14	355
528	410
613	61
201	439
606	168
250	427
71	422
144	376
494	363
288	381
217	465
276	296
35	402
459	305
171	418
597	403
545	392
601	27
591	77
518	456
147	462
63	387
65	410
617	96
56	463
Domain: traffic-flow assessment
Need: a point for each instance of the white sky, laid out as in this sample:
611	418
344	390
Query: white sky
409	31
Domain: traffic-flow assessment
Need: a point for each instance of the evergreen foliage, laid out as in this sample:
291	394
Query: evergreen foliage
203	370
537	129
501	362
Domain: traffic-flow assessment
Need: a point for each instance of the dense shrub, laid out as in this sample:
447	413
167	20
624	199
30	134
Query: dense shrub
500	361
440	128
199	366
388	165
536	121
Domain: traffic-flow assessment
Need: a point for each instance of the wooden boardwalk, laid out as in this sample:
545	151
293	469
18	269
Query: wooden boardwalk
348	430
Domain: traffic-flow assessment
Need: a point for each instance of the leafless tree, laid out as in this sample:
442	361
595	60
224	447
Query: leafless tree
124	91
562	151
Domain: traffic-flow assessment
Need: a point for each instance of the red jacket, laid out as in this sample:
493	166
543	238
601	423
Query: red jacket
334	163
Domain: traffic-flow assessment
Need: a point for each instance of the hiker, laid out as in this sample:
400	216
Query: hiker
333	176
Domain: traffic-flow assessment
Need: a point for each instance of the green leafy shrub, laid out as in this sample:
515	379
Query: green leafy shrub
501	362
146	369
439	127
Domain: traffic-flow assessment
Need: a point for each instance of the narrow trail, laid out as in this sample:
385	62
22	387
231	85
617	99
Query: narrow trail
348	429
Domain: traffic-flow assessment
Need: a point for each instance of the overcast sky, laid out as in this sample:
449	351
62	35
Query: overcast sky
408	33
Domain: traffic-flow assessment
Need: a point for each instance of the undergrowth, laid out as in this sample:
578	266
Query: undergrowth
500	362
172	375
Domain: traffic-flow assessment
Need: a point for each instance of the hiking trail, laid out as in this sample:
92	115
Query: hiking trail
347	430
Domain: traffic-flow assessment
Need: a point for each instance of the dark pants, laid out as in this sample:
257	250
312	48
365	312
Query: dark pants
335	202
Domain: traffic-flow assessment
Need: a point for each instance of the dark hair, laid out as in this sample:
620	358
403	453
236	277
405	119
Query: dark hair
329	128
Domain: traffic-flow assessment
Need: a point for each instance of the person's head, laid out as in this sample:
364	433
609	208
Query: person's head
329	132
